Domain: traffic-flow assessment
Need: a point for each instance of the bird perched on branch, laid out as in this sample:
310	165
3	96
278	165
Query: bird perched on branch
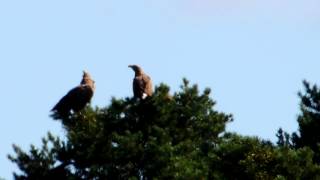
142	84
77	98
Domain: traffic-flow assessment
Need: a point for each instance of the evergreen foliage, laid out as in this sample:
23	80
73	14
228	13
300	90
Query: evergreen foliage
179	136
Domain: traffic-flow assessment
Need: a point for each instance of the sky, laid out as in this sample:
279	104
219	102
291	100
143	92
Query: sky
252	54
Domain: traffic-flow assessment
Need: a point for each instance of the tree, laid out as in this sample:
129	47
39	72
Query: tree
309	120
250	158
161	137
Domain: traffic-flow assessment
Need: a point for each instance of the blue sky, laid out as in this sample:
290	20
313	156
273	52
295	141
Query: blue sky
253	54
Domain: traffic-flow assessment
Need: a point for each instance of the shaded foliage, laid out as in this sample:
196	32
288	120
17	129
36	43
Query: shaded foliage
179	136
252	158
308	134
309	119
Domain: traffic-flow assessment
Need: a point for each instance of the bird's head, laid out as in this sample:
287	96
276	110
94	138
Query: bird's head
136	69
86	75
86	79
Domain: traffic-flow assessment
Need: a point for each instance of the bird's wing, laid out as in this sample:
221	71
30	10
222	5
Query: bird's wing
138	87
82	97
86	93
75	99
65	102
147	85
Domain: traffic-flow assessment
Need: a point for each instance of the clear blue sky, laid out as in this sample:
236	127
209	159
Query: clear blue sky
253	54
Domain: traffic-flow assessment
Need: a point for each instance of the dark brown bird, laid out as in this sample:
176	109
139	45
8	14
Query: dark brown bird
142	84
77	98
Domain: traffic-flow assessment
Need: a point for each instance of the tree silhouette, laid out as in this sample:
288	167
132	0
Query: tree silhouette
309	120
179	136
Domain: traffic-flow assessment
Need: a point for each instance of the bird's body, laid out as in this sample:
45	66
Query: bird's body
77	98
142	84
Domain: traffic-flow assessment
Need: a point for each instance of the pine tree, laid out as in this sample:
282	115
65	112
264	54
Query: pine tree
250	158
162	137
179	136
309	120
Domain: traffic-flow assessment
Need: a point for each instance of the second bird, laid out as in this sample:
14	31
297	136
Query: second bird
142	84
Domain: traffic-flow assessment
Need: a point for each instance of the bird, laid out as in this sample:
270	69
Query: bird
142	84
77	98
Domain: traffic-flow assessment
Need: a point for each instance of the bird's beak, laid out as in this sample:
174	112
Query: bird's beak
130	66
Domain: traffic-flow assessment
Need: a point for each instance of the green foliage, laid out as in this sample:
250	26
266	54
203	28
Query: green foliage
309	121
179	136
40	162
163	137
284	138
251	158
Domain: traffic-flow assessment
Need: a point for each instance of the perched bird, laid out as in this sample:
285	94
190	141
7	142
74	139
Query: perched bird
142	84
77	98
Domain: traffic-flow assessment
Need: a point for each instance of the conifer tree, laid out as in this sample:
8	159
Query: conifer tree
179	136
162	137
309	120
